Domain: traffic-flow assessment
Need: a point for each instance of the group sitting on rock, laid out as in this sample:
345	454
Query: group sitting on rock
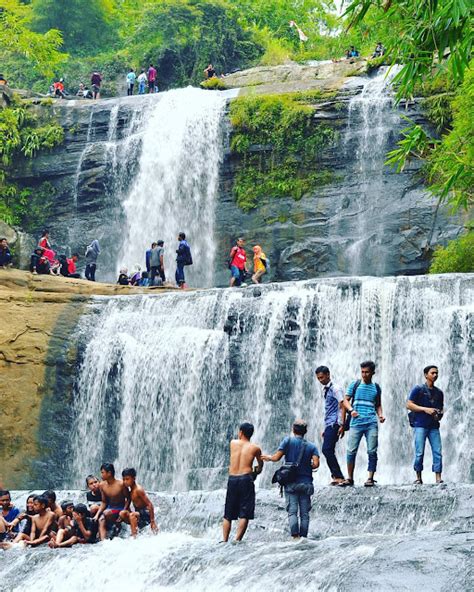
44	261
110	503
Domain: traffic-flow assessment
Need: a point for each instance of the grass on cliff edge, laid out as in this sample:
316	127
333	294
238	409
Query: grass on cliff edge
281	146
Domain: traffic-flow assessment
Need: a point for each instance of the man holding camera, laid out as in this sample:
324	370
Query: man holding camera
425	403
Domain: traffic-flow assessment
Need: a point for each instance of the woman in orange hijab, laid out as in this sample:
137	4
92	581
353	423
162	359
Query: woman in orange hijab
260	264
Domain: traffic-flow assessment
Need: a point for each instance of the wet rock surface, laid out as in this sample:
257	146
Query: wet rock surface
388	538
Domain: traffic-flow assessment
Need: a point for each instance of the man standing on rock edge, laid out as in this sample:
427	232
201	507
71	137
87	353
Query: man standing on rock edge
334	419
363	401
240	498
426	404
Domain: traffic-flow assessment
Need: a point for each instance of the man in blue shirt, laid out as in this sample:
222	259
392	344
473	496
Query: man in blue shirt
298	494
8	514
363	402
334	418
426	403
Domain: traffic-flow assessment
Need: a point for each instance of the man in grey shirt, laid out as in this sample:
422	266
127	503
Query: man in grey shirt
157	262
92	252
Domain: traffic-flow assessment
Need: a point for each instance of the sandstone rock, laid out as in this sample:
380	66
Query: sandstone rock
37	364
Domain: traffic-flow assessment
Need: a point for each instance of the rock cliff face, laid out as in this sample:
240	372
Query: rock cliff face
37	364
368	221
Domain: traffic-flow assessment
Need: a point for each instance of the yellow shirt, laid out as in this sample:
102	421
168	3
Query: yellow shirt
257	263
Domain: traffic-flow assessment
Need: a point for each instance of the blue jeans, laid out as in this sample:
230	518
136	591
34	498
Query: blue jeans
179	274
330	438
433	435
141	88
298	495
371	433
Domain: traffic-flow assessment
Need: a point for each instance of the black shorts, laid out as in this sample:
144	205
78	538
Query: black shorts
144	518
240	498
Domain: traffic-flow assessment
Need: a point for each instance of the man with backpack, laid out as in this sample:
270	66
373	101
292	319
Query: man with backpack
183	258
301	459
425	404
363	403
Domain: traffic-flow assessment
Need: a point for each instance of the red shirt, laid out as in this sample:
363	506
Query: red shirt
71	266
239	257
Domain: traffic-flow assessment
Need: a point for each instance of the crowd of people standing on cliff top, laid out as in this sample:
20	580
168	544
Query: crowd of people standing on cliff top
111	503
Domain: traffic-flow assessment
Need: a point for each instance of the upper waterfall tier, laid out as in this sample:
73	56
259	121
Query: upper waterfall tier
136	169
164	382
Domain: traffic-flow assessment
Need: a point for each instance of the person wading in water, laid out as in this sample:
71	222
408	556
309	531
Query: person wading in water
240	498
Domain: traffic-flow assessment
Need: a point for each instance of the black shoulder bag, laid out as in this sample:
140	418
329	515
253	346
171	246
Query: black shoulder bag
287	473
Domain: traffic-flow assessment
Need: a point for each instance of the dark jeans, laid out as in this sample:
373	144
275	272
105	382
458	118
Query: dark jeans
329	446
154	271
298	496
90	271
180	274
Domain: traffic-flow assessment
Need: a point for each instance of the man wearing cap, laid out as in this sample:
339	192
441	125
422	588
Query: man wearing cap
298	494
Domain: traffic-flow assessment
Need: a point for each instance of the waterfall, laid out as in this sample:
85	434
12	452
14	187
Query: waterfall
164	381
372	127
176	184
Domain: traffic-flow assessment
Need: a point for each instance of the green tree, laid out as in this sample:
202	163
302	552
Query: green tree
83	23
182	36
432	36
18	41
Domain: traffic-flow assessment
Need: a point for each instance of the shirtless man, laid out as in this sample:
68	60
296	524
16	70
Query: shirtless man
144	512
240	498
41	522
115	499
50	495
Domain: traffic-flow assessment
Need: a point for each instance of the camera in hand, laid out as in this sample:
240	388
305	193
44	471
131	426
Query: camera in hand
437	415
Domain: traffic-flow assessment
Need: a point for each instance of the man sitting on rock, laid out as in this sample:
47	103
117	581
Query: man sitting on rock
5	255
39	263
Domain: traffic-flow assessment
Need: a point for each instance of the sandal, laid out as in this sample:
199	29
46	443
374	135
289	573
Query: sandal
346	483
418	482
370	482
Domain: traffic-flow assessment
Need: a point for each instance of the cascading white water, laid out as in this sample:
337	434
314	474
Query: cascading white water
164	381
372	121
175	188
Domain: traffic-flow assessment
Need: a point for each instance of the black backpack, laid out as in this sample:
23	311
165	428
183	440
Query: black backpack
287	473
347	423
188	259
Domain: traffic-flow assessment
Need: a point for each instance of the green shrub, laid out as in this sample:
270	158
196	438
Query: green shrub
456	257
282	127
214	83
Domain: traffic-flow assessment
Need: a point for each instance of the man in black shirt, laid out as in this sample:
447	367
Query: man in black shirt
425	404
